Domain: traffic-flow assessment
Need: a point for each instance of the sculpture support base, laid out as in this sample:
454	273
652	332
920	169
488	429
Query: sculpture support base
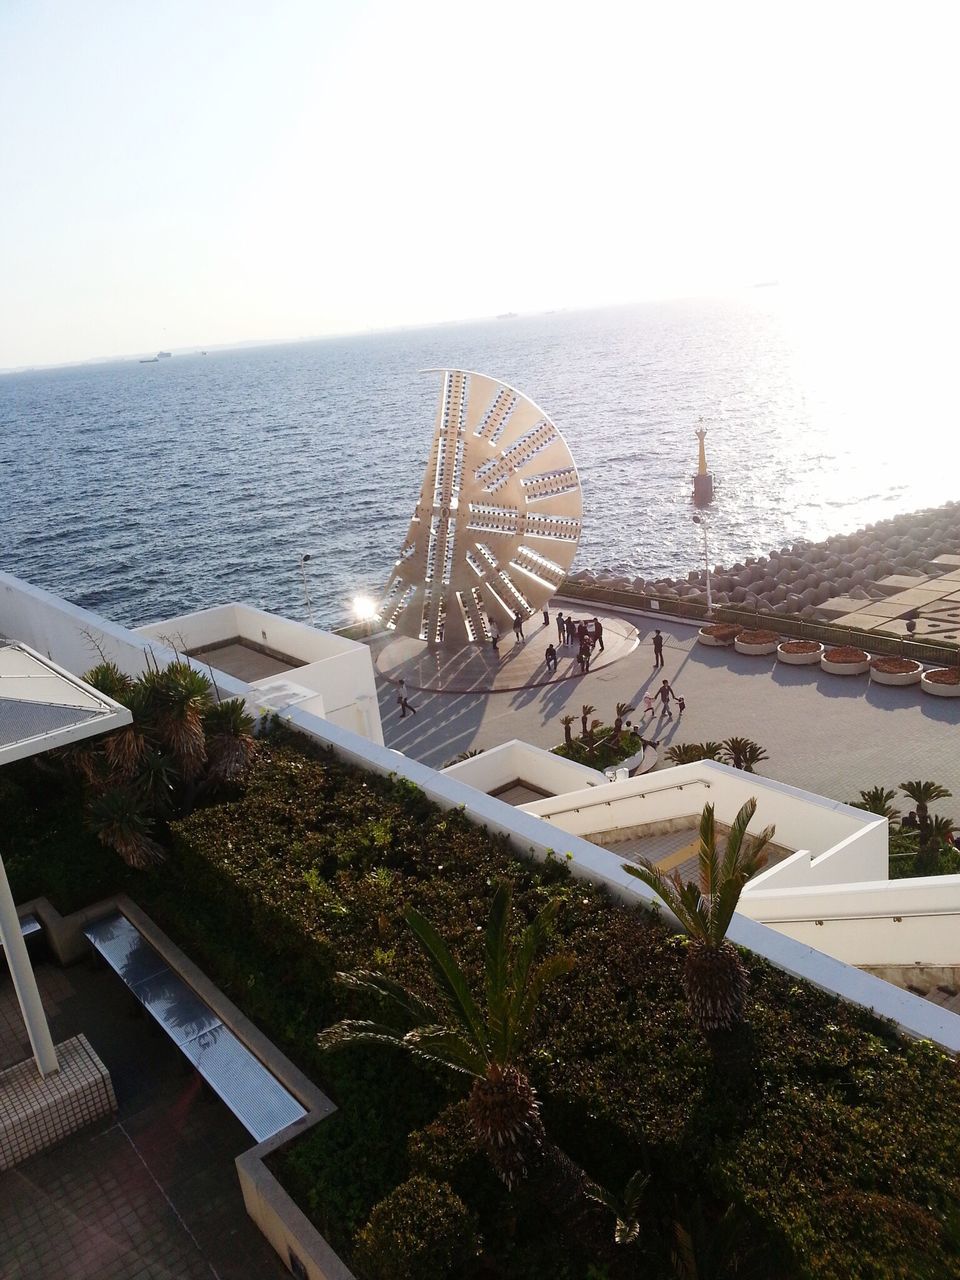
703	489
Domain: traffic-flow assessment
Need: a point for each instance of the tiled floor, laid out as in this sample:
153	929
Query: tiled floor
151	1195
245	663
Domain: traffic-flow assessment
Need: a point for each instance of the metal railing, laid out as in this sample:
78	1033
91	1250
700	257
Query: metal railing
788	625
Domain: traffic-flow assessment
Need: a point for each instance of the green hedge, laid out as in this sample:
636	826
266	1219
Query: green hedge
831	1117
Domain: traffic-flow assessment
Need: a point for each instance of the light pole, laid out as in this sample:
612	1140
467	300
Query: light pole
306	590
702	522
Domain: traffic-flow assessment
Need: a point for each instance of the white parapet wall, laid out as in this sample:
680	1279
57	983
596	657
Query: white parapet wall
835	842
338	670
517	761
886	923
77	639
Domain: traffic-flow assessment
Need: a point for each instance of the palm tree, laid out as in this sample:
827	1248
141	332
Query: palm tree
711	750
585	712
623	710
119	820
175	700
567	721
485	1044
592	732
714	979
685	753
229	737
742	753
923	794
877	800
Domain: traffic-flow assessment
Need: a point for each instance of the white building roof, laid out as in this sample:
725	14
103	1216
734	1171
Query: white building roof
42	706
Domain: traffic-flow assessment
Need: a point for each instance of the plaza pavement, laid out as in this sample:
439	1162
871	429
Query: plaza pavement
833	735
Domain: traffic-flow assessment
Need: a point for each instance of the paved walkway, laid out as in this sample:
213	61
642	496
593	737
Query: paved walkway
829	734
518	665
150	1195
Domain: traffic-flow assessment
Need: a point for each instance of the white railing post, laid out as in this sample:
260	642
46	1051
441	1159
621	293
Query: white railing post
25	982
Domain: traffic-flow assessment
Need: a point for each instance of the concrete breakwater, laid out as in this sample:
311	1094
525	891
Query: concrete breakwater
800	578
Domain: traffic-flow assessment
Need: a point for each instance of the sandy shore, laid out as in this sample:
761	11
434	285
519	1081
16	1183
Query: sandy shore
798	579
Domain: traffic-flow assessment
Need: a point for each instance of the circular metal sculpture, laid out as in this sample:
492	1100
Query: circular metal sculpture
498	520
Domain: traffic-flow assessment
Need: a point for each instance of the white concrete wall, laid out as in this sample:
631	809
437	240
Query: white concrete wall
75	637
338	669
840	843
533	837
887	922
515	759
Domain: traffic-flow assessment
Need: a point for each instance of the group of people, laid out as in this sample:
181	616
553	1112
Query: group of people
585	635
664	695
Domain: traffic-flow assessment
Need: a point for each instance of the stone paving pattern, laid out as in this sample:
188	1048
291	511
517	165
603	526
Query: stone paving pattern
833	735
152	1195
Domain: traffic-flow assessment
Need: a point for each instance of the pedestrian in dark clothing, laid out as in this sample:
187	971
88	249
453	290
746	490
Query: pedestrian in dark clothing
657	648
681	705
402	702
910	821
495	639
551	657
546	617
561	629
571	629
585	654
581	631
665	693
598	633
518	625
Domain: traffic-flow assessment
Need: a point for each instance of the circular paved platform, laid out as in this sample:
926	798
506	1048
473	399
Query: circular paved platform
519	665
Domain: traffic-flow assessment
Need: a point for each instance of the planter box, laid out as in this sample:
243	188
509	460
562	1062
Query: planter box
757	649
845	668
897	677
703	638
939	690
800	659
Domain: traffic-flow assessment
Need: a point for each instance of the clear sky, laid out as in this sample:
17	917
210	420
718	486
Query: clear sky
187	174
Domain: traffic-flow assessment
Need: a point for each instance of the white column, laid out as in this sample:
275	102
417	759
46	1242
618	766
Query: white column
24	981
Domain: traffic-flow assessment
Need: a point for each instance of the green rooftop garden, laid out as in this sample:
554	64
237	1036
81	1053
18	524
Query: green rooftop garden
812	1142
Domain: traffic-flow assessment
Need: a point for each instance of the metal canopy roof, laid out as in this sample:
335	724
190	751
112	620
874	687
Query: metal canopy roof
42	706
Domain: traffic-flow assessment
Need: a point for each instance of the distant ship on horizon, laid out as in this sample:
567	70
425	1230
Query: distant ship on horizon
163	355
508	315
150	360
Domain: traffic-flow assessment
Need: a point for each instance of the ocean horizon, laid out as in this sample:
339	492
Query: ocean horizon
148	490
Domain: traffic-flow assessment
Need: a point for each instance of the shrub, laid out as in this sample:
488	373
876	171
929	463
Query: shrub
421	1231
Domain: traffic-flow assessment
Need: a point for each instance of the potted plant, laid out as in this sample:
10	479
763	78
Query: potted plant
845	660
895	671
944	682
799	653
719	633
756	642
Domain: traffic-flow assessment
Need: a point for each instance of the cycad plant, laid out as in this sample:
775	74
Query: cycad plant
485	1043
567	721
175	701
742	753
586	711
714	979
923	795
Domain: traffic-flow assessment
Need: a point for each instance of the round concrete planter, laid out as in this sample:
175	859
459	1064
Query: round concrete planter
938	690
719	642
896	677
758	650
800	659
845	668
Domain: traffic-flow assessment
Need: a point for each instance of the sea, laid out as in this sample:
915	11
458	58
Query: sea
147	490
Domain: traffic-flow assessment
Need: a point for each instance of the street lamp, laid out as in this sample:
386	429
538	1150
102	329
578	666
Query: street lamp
306	590
702	522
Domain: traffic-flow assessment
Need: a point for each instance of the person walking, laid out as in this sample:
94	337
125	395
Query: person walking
402	702
571	629
648	707
495	638
657	648
598	633
665	693
561	629
551	657
518	625
681	704
585	655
